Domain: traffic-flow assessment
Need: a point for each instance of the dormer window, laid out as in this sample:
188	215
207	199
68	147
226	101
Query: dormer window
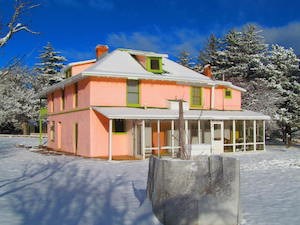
228	93
154	64
68	73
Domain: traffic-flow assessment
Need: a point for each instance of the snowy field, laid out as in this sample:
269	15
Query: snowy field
38	189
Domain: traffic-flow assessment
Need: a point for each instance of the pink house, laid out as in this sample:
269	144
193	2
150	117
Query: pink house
124	104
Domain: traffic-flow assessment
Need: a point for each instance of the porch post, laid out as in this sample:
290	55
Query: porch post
186	128
110	140
233	135
244	127
264	133
172	138
199	132
143	139
158	137
254	135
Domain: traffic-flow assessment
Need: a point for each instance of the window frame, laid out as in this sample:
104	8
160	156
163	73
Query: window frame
123	126
130	92
225	93
192	105
52	131
62	99
148	64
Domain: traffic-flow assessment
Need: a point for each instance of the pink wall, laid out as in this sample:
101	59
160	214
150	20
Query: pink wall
206	97
79	68
108	92
157	93
67	138
222	103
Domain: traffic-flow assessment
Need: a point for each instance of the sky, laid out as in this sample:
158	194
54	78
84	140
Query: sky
75	27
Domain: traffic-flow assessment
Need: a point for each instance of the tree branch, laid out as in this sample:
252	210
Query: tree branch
14	26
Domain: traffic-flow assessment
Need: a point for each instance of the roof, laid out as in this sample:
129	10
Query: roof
120	64
139	113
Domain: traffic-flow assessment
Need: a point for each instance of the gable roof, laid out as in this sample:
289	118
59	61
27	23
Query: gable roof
121	64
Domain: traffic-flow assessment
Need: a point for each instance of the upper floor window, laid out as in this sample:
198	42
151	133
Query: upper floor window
154	64
62	106
196	96
133	93
76	95
68	73
228	93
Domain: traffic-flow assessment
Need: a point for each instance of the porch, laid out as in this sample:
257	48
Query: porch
155	131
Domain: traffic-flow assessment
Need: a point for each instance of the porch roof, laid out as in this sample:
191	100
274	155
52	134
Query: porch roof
150	113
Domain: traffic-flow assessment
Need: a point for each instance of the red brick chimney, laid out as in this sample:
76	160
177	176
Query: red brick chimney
101	50
207	71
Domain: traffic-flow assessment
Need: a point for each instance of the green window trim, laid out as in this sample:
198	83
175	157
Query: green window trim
228	93
196	97
130	93
149	63
68	73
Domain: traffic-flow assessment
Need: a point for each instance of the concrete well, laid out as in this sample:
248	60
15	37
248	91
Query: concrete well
201	191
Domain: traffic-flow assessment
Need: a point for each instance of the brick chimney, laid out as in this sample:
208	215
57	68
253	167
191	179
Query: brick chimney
101	50
207	71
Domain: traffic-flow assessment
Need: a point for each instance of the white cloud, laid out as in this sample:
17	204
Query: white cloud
171	42
287	36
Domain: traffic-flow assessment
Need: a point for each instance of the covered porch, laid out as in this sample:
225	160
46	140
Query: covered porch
155	131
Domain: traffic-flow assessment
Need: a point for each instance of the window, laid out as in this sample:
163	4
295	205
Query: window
119	125
52	103
196	97
52	131
75	95
62	99
76	137
68	73
228	93
132	92
154	64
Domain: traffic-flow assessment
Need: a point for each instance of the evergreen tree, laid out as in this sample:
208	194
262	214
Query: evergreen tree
185	59
209	54
283	69
51	63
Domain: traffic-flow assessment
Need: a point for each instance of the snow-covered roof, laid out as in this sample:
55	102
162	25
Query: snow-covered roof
139	113
121	64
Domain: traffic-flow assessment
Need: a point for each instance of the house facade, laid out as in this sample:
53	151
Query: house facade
125	103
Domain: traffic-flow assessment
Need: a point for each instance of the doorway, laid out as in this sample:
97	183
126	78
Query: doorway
217	137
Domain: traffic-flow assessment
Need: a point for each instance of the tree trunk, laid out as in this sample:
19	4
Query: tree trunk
25	129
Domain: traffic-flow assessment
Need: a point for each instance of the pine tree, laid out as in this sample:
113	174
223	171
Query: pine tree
283	69
209	54
51	63
185	59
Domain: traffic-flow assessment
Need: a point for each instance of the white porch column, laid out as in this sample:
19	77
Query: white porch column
233	135
172	138
244	128
199	132
264	133
143	139
212	100
186	128
158	137
110	140
254	135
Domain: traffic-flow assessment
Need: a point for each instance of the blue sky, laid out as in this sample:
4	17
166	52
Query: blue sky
75	27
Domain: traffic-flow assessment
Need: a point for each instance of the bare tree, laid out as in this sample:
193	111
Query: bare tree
14	25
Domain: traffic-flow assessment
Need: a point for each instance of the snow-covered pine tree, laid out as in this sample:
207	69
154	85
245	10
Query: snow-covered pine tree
283	69
51	63
185	59
209	53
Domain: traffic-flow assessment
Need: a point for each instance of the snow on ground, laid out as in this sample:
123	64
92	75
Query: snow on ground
38	189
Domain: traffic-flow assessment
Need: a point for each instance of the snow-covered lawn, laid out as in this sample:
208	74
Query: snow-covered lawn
38	189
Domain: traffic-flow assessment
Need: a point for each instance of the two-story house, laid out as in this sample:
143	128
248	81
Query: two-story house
124	103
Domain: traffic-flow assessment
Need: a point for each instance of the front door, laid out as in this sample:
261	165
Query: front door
217	137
